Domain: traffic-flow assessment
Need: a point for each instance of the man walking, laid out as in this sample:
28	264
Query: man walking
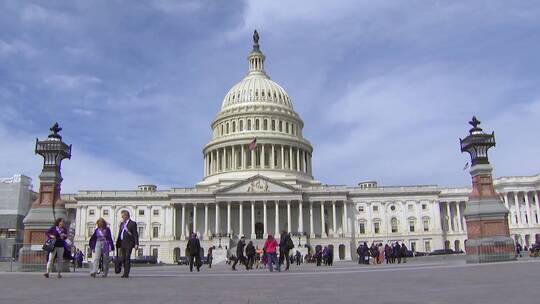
128	239
404	252
285	245
193	248
250	253
240	253
209	256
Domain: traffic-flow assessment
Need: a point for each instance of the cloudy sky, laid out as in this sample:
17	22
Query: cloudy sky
385	88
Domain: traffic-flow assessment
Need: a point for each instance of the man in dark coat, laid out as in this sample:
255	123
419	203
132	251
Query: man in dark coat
285	245
210	256
193	248
250	253
404	252
397	252
128	239
240	253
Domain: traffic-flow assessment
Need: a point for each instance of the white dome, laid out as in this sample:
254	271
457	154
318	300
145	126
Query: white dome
256	88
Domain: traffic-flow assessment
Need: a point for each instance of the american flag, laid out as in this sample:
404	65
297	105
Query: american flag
252	145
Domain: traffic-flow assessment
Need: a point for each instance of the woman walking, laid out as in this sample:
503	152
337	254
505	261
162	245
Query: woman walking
101	244
58	233
270	247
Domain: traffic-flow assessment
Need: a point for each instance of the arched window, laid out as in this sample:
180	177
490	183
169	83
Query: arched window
234	126
257	124
221	133
249	125
241	125
273	125
265	125
394	224
287	127
227	129
280	126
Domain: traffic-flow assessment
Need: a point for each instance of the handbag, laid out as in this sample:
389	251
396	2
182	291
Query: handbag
117	263
49	245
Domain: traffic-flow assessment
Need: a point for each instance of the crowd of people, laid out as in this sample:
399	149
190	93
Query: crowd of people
378	254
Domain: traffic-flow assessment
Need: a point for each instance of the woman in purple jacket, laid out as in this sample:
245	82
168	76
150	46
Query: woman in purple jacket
57	232
101	244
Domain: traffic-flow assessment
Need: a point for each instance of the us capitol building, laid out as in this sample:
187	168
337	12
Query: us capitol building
261	191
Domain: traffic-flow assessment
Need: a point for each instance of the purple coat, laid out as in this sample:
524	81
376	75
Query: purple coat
108	238
59	238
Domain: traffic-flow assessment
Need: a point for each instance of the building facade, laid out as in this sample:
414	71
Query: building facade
16	197
257	180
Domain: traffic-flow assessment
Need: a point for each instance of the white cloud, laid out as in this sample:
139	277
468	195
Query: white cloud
83	171
66	82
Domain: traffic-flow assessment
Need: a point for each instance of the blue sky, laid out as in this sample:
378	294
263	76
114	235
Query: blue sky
385	88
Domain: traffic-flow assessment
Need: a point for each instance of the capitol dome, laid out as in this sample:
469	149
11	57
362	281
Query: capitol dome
257	131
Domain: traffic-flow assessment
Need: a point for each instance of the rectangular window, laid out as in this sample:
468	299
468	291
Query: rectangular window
155	252
3	233
91	211
411	226
424	206
140	252
155	232
427	246
90	231
362	228
376	227
413	246
375	208
106	212
141	211
141	231
361	209
426	225
156	211
11	234
410	207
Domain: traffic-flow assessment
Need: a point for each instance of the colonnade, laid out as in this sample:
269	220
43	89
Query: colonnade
524	208
266	206
453	216
265	156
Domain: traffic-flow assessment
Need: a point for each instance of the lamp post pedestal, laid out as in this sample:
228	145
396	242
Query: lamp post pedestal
488	233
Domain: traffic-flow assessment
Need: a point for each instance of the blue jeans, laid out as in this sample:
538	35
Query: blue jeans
272	259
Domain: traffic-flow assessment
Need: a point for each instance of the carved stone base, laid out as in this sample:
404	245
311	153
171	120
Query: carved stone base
490	249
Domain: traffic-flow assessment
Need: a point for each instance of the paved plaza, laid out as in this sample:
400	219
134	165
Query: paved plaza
420	281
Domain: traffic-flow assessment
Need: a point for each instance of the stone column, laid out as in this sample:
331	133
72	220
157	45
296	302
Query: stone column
282	158
323	232
218	160
194	218
78	222
300	218
276	230
334	222
243	158
449	215
265	232
205	165
217	219
311	231
263	158
297	159
183	230
206	236
518	211
291	158
458	214
272	163
173	209
229	219
289	216
148	220
253	160
253	236
506	204
233	159
345	219
537	206
528	209
437	225
241	220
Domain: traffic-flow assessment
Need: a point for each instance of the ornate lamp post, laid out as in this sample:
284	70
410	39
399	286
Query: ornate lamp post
486	216
48	206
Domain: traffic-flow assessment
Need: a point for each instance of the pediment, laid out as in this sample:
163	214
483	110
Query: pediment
257	184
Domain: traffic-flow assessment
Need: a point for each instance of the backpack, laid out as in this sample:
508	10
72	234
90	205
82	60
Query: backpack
290	244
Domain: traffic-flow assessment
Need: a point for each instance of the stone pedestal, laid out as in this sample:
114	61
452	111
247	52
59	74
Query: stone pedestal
488	233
